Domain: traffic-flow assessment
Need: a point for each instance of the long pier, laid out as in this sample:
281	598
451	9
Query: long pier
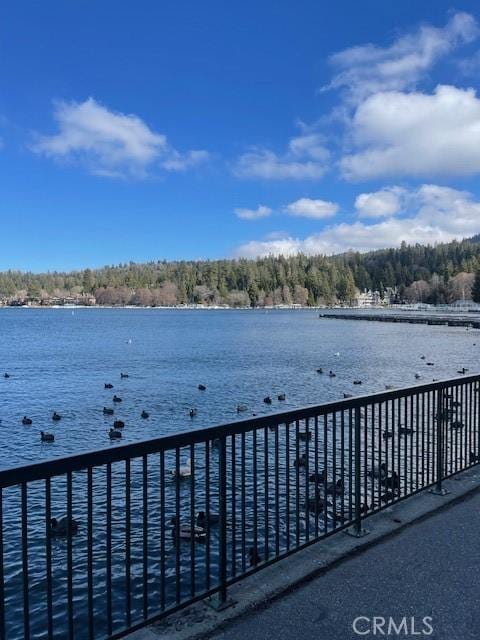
444	320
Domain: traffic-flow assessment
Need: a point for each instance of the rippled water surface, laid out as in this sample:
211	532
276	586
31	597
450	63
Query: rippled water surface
59	360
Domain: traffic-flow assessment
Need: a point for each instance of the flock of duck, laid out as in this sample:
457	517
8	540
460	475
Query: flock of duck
114	432
332	374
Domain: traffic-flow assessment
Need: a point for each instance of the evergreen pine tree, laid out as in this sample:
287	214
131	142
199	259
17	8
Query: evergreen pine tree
476	287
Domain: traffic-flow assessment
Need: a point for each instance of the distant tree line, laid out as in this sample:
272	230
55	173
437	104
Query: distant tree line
433	274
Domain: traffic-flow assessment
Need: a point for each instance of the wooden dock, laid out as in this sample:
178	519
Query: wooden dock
408	318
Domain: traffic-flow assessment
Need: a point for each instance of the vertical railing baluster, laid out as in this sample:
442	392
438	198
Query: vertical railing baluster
439	450
373	479
287	484
463	421
70	612
128	534
468	444
422	421
255	492
162	529
48	557
297	484
26	603
466	423
459	431
399	448
2	572
334	467
380	453
243	502
350	464
365	451
266	489
90	553
357	529
406	442
429	438
108	542
476	420
471	446
325	475
192	521
222	478
176	530
395	441
277	492
307	473
388	469
449	437
414	438
452	437
317	513
207	515
145	534
342	470
234	504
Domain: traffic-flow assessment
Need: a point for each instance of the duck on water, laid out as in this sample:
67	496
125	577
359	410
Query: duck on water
184	471
62	527
186	531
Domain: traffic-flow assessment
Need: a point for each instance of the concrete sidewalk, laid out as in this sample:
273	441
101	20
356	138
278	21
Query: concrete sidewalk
430	569
420	558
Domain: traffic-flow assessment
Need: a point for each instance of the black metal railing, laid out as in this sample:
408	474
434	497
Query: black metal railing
151	527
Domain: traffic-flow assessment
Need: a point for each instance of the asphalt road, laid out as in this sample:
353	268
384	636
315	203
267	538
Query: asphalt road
431	569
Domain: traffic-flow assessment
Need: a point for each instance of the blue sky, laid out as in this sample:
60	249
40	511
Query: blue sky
165	130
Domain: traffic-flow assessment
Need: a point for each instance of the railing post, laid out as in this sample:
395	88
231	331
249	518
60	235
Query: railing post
222	601
222	476
357	530
441	415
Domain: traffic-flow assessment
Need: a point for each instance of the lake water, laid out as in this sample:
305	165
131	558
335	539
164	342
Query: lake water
59	360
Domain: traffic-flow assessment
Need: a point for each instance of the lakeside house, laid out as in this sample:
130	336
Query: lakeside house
369	298
54	301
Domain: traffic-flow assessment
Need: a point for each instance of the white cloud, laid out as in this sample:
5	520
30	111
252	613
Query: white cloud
177	161
287	246
308	208
305	159
439	214
415	134
367	69
470	65
386	202
253	214
388	127
110	143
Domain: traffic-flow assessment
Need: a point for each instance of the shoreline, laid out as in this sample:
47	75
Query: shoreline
393	313
164	308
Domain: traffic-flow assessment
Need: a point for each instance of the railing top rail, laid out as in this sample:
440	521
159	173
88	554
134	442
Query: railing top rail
81	461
